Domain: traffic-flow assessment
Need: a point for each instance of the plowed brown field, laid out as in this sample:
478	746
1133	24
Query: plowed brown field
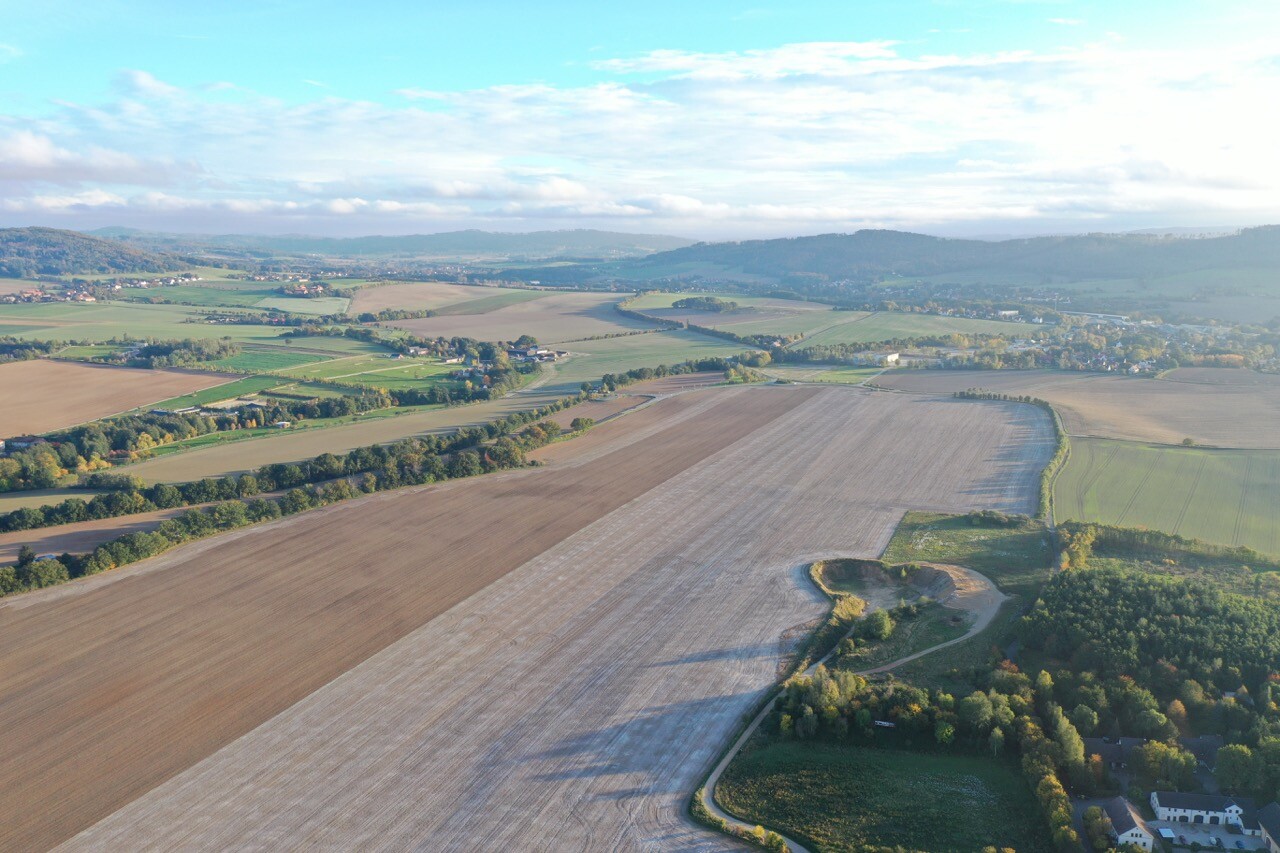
119	682
43	395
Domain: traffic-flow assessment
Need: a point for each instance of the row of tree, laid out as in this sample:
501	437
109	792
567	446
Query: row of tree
405	463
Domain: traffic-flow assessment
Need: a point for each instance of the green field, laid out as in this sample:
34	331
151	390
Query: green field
884	325
238	388
593	359
1224	496
833	796
376	371
304	305
265	360
486	304
819	324
227	296
66	321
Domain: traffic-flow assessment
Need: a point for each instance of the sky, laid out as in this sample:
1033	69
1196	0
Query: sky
709	119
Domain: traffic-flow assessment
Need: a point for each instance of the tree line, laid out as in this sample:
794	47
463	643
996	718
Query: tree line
409	462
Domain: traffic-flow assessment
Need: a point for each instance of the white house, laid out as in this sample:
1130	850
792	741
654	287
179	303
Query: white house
1209	809
1128	825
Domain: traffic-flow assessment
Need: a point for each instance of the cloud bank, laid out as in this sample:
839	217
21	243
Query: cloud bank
821	136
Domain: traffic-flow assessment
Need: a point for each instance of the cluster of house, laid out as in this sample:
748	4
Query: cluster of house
36	295
286	276
534	353
1171	808
305	288
1203	811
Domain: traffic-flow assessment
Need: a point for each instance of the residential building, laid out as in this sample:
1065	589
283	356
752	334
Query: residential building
1128	825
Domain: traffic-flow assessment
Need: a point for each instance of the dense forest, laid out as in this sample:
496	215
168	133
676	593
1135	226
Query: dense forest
1159	630
31	252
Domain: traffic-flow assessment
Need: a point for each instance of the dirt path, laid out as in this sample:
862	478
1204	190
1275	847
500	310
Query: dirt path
974	594
573	702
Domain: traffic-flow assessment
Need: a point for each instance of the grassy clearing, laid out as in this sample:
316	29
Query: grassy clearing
376	371
840	797
1017	559
1223	496
266	359
935	624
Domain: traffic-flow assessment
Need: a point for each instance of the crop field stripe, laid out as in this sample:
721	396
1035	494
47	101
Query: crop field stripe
238	628
1138	489
1191	494
654	629
1242	505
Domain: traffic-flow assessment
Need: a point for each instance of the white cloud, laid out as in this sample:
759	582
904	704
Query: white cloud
823	136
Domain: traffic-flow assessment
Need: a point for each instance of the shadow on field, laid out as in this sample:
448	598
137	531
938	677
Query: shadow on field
649	745
741	652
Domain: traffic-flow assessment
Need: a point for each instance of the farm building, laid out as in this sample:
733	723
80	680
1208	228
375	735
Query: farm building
1207	809
1269	820
1115	752
1127	825
23	442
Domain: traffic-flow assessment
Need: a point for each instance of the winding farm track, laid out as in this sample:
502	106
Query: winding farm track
547	659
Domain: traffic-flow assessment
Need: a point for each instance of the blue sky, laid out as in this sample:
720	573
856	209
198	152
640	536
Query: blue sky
709	119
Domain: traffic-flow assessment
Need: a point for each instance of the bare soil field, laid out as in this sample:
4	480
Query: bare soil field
551	319
1123	407
613	615
81	536
141	672
43	395
599	410
418	295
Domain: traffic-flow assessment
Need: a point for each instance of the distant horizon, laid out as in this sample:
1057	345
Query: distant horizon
1174	230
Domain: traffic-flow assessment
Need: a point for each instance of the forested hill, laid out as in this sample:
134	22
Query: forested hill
28	252
579	243
869	254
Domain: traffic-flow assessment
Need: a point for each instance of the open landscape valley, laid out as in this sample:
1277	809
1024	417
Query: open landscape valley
817	427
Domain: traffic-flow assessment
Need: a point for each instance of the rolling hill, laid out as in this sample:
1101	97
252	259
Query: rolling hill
28	252
871	254
459	245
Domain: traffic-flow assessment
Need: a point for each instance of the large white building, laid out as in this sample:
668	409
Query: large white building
1207	809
